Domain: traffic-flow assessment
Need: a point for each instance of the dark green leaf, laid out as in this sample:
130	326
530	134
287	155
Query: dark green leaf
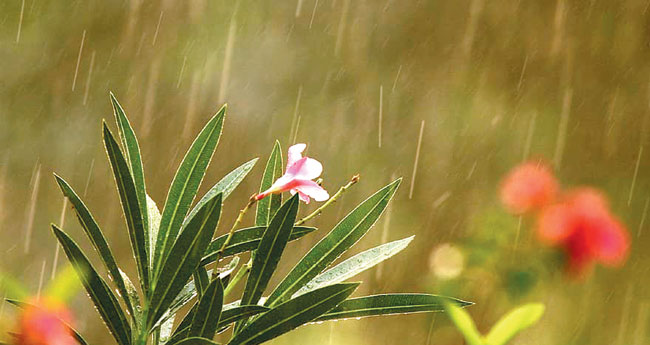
75	334
355	265
293	313
244	240
345	234
270	250
94	233
183	258
194	341
201	279
229	316
226	185
389	304
130	205
132	155
267	207
207	315
97	289
185	185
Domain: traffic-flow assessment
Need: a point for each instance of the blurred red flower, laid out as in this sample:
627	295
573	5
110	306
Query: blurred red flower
582	224
528	187
44	322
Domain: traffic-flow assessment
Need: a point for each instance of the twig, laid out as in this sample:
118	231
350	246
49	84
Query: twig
330	201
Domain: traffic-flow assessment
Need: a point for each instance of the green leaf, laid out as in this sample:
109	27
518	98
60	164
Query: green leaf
229	316
96	236
226	185
194	341
133	157
206	317
183	258
132	296
65	285
154	223
201	279
345	234
270	250
355	265
75	334
185	185
165	330
388	304
244	240
97	289
514	322
293	313
464	324
267	207
130	206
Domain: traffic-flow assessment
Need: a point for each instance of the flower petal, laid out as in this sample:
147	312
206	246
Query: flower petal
556	223
613	243
294	154
305	169
528	187
312	189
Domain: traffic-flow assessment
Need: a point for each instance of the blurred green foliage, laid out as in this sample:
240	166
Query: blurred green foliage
491	80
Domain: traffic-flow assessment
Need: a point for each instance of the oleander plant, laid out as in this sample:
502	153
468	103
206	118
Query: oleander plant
187	272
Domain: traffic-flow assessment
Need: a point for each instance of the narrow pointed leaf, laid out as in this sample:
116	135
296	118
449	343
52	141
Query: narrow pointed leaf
244	240
194	341
226	185
293	313
235	314
267	207
130	206
345	234
464	323
134	159
75	334
208	312
184	258
201	279
185	185
270	250
132	296
514	322
97	289
97	239
165	331
355	265
154	223
388	304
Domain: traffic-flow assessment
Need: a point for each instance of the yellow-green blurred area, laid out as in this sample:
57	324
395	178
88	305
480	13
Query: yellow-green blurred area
478	86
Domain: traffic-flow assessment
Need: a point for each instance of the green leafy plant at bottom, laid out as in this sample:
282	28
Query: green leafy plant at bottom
515	321
180	264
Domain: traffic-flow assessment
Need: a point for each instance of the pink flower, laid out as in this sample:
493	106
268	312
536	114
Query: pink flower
298	177
528	187
44	322
584	227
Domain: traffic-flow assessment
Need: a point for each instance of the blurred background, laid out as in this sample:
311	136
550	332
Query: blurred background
448	95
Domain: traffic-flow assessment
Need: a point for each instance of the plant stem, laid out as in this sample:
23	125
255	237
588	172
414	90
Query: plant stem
330	201
240	217
238	276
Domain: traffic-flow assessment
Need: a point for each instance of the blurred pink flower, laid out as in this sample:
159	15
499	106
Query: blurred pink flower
528	187
44	322
298	177
582	224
